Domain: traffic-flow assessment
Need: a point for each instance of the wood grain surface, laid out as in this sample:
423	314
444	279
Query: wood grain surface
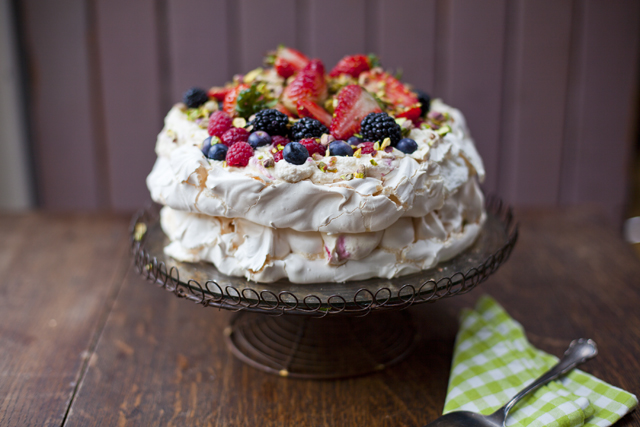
160	360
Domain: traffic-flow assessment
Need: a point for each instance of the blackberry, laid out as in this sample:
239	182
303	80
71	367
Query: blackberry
307	127
271	121
378	126
425	100
195	97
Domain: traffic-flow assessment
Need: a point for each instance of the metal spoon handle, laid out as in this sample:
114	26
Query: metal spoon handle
579	351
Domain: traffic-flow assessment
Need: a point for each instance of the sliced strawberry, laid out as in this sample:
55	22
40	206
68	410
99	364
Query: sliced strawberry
283	110
351	65
412	113
219	93
309	83
308	108
388	88
289	61
229	104
354	103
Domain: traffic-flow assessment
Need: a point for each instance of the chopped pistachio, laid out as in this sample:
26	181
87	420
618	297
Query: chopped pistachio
443	130
358	153
359	175
268	163
215	140
239	122
322	166
376	145
211	106
326	139
347	177
224	164
401	120
373	162
139	231
251	75
385	143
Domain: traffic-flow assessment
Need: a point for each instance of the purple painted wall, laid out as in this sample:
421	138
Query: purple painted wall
548	86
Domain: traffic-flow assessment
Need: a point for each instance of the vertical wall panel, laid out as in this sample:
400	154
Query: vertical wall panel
538	47
61	104
263	26
198	45
337	28
132	100
596	156
473	81
407	38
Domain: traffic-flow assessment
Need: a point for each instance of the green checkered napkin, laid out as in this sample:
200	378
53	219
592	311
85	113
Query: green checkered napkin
493	361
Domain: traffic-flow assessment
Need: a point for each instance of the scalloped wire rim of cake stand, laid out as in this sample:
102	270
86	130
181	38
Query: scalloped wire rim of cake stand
202	283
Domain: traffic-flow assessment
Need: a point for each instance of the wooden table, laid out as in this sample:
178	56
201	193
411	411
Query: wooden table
84	341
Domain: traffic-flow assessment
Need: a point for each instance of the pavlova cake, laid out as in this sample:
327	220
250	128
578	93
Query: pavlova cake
292	173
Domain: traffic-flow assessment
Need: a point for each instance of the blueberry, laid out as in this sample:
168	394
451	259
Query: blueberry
218	152
206	145
295	153
340	148
259	138
354	140
407	145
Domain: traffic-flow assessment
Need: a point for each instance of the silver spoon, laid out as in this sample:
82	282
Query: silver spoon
579	351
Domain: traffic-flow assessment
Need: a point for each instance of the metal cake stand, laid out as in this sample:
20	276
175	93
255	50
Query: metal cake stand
322	330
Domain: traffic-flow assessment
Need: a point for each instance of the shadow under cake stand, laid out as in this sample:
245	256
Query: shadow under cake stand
322	330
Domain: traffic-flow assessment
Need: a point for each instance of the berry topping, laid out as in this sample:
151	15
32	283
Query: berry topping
353	104
206	145
309	84
195	97
378	126
259	138
287	61
313	146
411	113
218	93
407	145
218	152
239	154
229	104
354	140
308	128
295	153
271	121
219	123
351	65
277	156
279	140
234	135
340	148
389	90
425	100
308	108
366	148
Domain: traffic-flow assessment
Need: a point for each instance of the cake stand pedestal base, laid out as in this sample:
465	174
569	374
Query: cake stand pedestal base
321	348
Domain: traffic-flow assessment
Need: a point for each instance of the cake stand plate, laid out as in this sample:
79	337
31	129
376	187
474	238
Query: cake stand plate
322	330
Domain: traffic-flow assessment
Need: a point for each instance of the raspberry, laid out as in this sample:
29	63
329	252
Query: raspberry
234	135
313	147
279	140
219	123
277	156
366	147
239	154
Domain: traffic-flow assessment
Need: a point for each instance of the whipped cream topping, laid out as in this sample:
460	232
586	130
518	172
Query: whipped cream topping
308	197
239	247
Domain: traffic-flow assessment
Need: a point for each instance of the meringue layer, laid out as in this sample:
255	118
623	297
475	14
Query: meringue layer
238	247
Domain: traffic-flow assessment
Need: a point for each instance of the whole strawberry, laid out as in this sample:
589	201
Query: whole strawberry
352	65
234	135
313	146
219	123
239	154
